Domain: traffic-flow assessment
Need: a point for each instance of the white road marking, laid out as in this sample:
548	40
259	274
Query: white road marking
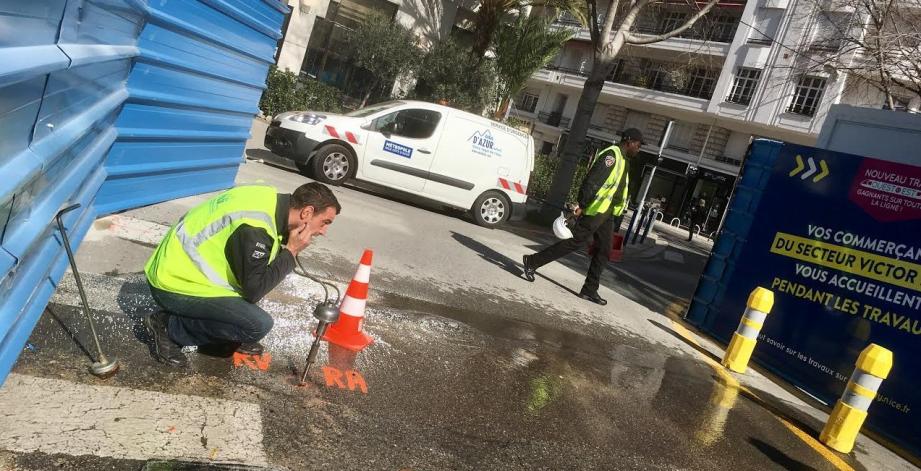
128	228
56	416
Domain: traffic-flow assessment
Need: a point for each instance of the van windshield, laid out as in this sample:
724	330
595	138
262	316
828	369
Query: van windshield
361	113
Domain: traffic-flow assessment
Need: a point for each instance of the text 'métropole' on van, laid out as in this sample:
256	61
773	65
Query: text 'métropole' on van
440	153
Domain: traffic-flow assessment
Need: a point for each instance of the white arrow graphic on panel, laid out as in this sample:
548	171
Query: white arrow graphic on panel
812	169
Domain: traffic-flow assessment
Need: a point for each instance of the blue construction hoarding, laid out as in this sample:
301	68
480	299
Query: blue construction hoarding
837	238
115	104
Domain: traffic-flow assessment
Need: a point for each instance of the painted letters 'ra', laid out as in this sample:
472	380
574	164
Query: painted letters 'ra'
348	379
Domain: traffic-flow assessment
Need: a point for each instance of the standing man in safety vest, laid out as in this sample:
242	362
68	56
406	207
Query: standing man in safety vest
221	258
602	199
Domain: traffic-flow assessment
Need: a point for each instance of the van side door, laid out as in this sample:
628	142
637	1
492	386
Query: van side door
400	148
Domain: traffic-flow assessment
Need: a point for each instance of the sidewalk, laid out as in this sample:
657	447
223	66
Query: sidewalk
472	366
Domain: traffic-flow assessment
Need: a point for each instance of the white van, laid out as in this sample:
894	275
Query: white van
447	155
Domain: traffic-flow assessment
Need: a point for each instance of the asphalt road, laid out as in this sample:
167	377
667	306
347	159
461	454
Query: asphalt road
472	366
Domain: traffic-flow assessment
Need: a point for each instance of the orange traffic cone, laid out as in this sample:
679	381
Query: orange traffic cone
346	332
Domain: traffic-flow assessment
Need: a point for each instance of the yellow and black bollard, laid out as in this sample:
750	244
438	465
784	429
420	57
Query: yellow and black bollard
872	367
760	302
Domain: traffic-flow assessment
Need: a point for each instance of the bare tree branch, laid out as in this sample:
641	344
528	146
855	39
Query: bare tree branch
877	48
649	39
610	15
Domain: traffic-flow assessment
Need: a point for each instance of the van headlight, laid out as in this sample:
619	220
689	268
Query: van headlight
308	118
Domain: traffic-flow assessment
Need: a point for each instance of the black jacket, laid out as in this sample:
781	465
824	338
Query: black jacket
248	250
595	178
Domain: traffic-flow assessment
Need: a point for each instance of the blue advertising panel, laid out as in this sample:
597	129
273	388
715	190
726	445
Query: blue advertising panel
837	238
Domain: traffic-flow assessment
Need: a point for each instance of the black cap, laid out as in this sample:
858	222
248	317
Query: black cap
632	134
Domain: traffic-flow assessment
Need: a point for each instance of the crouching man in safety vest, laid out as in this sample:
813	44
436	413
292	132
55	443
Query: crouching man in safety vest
221	258
602	199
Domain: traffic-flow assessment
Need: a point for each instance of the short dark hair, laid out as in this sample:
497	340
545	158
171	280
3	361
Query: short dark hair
314	194
632	134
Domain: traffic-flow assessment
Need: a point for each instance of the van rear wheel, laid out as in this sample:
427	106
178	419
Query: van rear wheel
491	209
333	164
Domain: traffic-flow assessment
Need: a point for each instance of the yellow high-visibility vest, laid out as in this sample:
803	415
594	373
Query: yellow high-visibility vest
606	195
191	259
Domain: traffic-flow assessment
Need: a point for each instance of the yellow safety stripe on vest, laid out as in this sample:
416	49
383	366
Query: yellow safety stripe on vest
190	244
228	219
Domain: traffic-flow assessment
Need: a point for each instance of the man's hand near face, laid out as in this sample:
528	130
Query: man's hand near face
311	223
299	239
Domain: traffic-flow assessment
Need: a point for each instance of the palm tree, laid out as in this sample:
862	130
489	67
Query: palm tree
488	18
491	13
522	48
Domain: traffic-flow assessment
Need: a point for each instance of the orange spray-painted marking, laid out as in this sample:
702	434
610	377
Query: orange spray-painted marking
354	379
253	362
333	377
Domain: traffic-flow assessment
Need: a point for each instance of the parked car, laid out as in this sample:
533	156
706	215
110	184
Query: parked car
440	153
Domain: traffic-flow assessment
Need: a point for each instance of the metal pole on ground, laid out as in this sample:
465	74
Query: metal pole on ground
639	227
649	222
630	226
647	178
103	367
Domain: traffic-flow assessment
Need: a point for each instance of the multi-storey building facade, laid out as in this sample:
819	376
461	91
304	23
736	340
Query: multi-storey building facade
742	72
745	70
316	31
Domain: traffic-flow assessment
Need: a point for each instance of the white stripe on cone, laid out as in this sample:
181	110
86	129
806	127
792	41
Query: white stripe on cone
353	307
363	275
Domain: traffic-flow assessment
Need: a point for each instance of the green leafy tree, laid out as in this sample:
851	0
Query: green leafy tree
522	48
450	74
385	49
287	92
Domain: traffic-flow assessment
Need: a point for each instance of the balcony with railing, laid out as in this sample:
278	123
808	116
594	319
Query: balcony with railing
692	92
695	82
711	35
566	18
554	118
582	72
718	27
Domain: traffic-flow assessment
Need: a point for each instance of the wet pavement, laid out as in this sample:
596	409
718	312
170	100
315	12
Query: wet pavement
472	367
447	388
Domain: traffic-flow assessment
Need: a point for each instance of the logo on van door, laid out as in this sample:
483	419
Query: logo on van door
398	149
484	144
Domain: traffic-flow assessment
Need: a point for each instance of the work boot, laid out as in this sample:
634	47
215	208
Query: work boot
592	296
164	349
529	271
251	348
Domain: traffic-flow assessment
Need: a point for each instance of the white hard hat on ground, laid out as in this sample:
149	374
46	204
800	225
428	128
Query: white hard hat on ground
560	228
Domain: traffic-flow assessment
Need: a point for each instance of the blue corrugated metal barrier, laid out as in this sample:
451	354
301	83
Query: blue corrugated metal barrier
114	104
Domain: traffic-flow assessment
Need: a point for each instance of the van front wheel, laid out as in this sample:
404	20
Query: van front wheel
491	209
333	164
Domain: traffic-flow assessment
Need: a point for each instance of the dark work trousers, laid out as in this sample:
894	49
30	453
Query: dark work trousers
601	227
201	321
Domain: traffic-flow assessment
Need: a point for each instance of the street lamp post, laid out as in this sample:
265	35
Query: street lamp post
647	179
